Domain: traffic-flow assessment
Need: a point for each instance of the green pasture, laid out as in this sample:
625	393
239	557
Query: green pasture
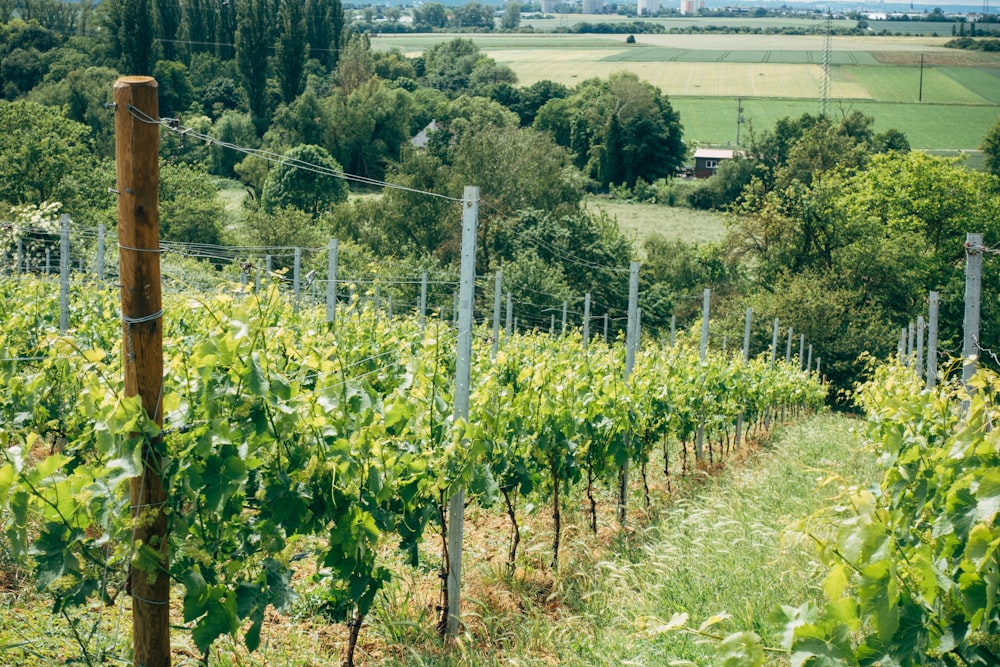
654	54
983	80
902	84
712	120
930	28
639	220
777	75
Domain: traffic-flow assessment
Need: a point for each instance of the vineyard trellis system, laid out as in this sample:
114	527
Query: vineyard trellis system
275	420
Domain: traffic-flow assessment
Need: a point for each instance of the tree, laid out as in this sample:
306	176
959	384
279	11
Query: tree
644	140
991	147
517	168
356	65
431	15
44	157
82	94
305	180
220	95
190	211
282	227
292	49
232	127
307	120
474	15
511	16
447	65
174	85
22	70
251	56
133	35
324	30
368	126
169	16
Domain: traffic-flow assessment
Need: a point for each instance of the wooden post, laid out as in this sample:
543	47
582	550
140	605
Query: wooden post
586	321
137	165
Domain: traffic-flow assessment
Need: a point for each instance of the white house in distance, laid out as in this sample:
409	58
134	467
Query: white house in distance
424	136
707	161
592	6
649	7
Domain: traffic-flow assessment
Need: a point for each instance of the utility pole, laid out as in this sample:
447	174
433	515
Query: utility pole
739	118
137	165
920	94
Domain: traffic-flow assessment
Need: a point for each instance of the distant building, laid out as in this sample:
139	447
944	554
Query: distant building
649	7
548	6
707	160
593	6
687	6
424	136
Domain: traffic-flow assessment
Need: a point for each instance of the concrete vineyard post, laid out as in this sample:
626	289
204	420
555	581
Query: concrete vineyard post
297	278
919	357
706	301
509	320
631	336
463	365
932	338
100	253
497	305
422	306
774	342
332	259
64	273
973	285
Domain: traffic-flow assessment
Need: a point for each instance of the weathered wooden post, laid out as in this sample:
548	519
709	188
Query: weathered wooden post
137	165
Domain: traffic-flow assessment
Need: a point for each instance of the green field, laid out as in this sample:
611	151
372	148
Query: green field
638	221
777	75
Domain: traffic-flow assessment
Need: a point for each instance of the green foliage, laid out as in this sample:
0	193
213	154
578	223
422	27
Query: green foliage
511	18
190	211
991	146
912	564
232	127
43	155
879	237
308	190
82	93
174	86
252	56
292	49
278	428
619	130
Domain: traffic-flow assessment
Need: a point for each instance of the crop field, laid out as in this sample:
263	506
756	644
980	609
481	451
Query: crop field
777	75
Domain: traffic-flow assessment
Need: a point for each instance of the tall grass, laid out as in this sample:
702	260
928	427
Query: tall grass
723	548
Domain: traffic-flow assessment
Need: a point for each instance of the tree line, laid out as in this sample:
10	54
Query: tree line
800	245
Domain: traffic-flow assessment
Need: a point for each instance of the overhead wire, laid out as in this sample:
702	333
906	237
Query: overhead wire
174	125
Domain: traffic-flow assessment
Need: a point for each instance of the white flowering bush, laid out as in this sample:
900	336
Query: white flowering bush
35	227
